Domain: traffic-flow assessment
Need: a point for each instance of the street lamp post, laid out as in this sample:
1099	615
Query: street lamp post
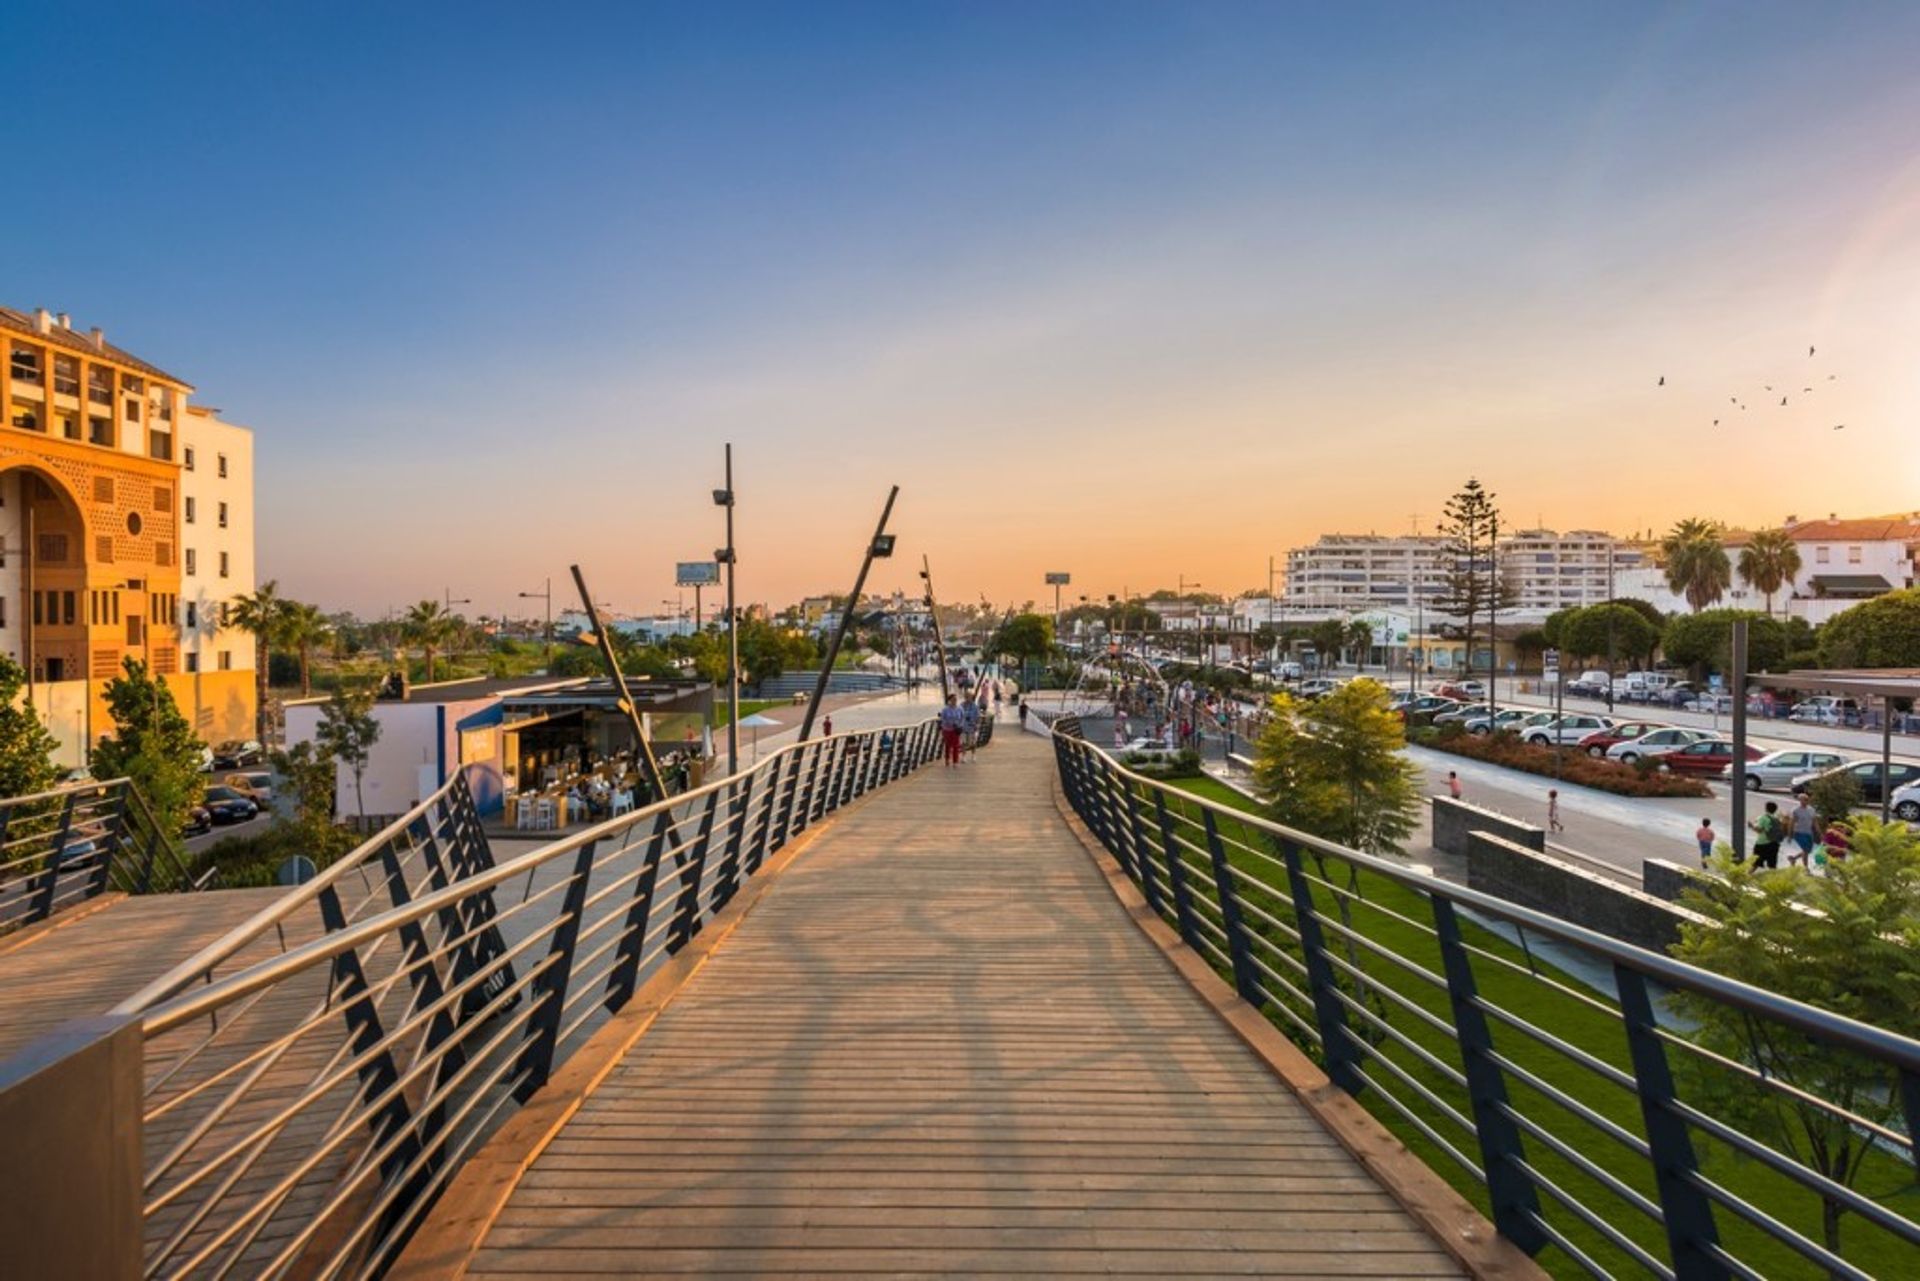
724	498
547	596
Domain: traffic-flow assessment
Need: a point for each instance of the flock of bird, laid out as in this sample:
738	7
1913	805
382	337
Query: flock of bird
1742	405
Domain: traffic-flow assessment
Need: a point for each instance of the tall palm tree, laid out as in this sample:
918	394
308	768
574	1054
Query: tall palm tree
1697	564
1769	562
1360	636
302	628
428	625
262	615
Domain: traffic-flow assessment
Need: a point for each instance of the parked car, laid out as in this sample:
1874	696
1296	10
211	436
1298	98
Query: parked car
1655	742
1710	703
1462	691
1641	687
1709	756
1464	712
1565	730
1511	720
199	820
234	754
1428	705
228	805
1289	671
256	784
1601	740
1906	802
1779	769
1679	694
1823	710
1592	684
1869	775
1318	687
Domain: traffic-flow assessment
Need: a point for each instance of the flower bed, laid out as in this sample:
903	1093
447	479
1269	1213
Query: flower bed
1575	765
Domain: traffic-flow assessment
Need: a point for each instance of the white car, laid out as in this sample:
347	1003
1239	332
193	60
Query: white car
1566	731
1653	743
1906	802
1779	769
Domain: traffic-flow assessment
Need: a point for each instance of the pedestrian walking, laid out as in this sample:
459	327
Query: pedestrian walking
826	726
1453	785
1705	837
970	724
1805	823
1553	811
1769	830
1023	713
952	722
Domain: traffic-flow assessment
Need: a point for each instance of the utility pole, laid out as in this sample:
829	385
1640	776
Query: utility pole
939	641
655	779
880	546
724	498
1493	621
546	596
1610	634
1736	773
451	602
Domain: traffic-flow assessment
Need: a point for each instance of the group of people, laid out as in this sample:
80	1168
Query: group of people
960	725
1814	842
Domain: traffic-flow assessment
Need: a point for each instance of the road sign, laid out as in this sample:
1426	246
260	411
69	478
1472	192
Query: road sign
1059	580
696	573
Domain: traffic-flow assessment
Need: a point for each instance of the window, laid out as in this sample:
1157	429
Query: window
100	385
193	561
226	660
1853	555
69	425
68	601
223	515
100	430
66	376
103	489
223	564
162	552
186	457
162	498
25	419
193	615
193	662
26	363
134	629
1820	555
53	549
160	444
132	413
135	524
188	508
222	468
103	549
3	613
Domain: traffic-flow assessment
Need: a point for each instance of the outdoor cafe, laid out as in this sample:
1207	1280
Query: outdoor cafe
570	755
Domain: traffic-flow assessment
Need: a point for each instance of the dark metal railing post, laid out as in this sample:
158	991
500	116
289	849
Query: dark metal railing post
114	838
686	913
1245	981
624	975
1692	1237
549	986
1514	1198
812	795
1340	1056
377	1073
43	893
790	794
770	802
739	813
424	977
1136	838
1176	872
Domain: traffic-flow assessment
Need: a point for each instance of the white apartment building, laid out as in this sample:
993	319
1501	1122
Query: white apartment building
1545	569
216	546
1549	571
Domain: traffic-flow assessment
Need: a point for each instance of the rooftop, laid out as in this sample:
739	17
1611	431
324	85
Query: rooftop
44	327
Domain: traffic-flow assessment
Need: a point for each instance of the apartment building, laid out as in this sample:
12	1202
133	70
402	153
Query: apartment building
1547	570
216	561
91	530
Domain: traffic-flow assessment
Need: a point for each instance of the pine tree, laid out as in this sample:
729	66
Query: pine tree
26	748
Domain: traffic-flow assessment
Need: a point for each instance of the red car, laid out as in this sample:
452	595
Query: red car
1708	756
1597	743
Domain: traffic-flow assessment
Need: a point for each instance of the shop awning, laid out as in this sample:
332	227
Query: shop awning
1851	585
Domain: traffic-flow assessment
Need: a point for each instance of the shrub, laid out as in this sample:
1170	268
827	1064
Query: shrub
1834	796
255	859
1575	766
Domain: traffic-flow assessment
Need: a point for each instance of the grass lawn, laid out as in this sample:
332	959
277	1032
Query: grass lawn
748	706
1398	919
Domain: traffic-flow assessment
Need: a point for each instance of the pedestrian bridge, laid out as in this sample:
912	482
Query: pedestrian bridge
858	1012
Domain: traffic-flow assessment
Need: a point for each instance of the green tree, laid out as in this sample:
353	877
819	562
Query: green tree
1554	628
302	627
1360	636
1473	585
1703	642
152	744
261	614
1329	638
1586	633
430	626
1847	942
309	775
26	747
1769	562
1882	632
1530	644
1697	564
1335	767
347	732
1024	636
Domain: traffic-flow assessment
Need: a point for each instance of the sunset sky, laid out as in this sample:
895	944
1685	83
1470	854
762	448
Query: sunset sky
1125	290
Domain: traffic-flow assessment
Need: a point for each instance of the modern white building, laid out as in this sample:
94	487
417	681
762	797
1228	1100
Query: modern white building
1548	571
1354	572
216	550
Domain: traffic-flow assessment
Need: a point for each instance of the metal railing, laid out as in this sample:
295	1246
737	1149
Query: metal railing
65	846
1570	1084
305	1105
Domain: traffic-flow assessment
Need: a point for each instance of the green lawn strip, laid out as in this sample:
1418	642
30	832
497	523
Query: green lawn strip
748	707
1377	916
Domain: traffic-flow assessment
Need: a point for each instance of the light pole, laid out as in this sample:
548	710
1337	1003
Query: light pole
939	641
879	547
547	596
724	498
1610	658
451	602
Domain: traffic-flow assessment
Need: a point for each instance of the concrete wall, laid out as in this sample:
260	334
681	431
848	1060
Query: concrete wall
1531	879
1453	820
1664	880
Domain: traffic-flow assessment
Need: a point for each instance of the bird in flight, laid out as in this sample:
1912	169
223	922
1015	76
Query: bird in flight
1841	427
1783	400
1716	422
1809	351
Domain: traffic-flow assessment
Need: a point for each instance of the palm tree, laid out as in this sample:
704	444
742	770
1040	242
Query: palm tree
302	628
1360	636
263	615
428	625
1697	564
1769	562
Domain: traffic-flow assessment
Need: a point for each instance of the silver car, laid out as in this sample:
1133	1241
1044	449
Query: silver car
1566	730
1779	769
1655	742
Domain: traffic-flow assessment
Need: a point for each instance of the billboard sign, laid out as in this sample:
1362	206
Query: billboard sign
696	573
1059	580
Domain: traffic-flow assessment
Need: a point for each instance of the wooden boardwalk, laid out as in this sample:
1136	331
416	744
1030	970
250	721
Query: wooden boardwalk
938	1046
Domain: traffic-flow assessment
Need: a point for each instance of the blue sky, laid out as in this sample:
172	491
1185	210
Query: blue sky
1129	290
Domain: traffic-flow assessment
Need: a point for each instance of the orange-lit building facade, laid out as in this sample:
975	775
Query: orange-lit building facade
91	443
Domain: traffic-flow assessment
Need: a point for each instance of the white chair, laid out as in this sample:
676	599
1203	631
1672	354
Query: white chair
523	815
543	814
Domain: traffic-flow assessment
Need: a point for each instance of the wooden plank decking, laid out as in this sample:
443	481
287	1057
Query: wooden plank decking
939	1046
